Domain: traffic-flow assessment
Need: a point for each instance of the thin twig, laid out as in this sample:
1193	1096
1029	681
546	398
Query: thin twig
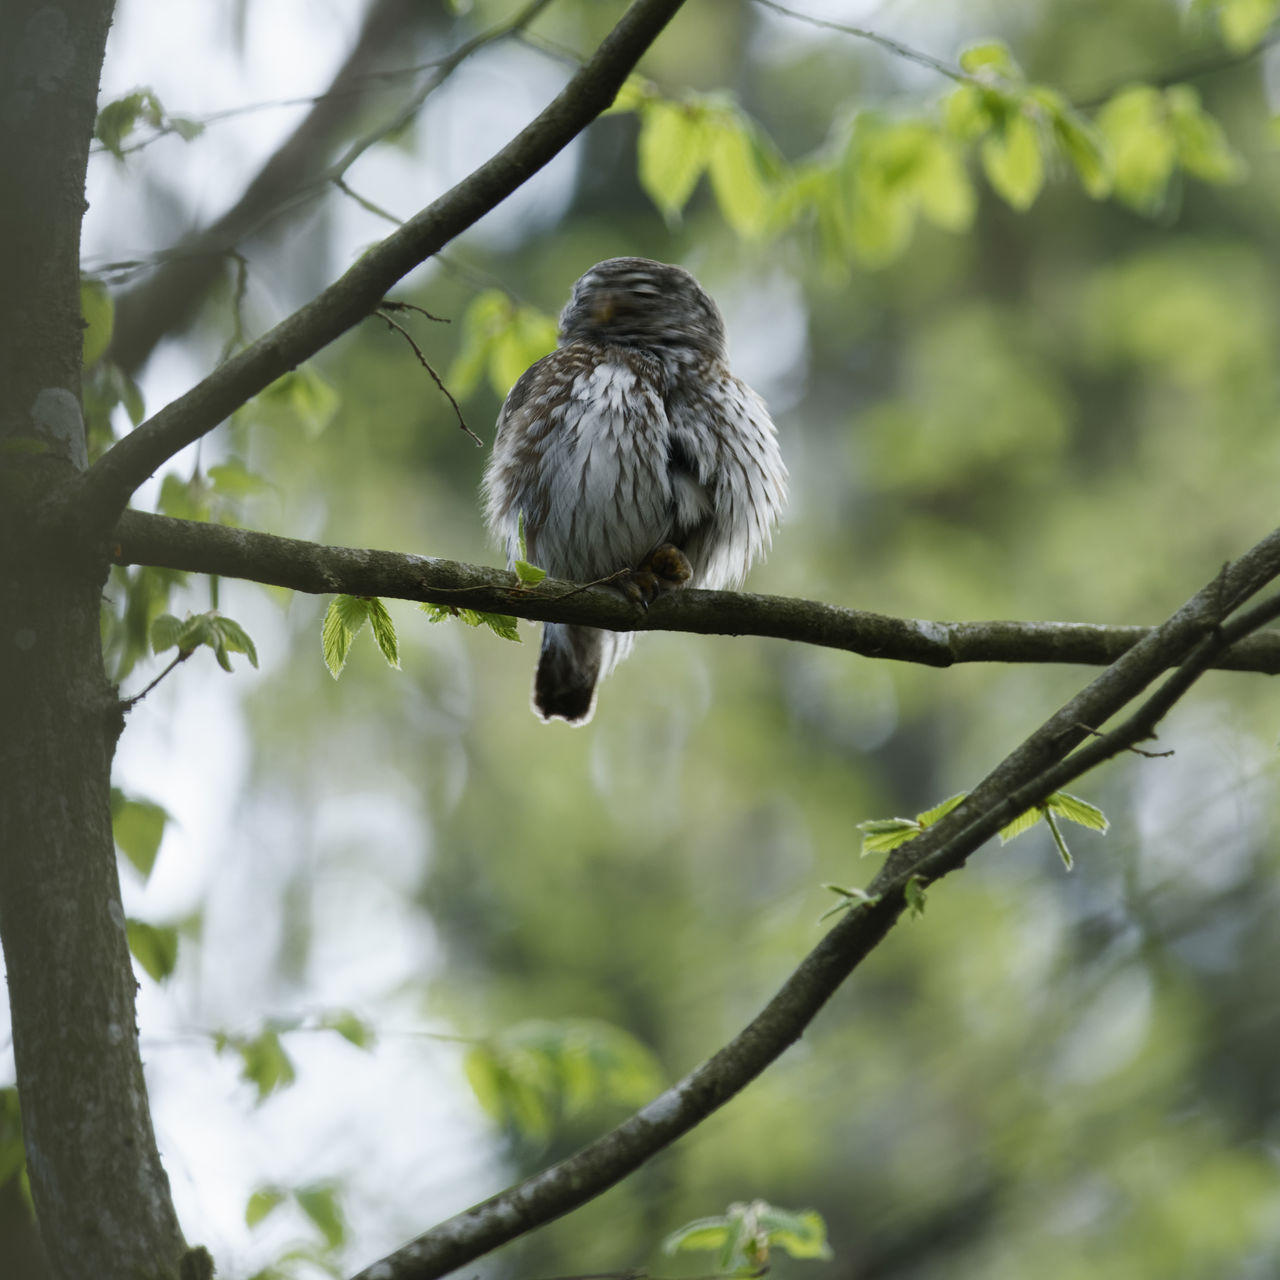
128	704
426	364
885	42
365	203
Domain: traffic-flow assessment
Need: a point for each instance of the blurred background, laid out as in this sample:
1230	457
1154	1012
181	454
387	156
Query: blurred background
428	944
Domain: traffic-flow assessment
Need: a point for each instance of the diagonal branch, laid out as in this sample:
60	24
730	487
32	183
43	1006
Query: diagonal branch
1191	634
99	496
306	566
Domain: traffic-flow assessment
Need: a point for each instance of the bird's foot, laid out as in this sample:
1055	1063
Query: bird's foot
663	569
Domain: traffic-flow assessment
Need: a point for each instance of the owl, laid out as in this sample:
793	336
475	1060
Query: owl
631	453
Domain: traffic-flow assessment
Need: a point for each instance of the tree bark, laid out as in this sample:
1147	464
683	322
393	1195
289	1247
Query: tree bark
101	1196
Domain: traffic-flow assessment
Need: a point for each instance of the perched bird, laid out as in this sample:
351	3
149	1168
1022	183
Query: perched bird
631	450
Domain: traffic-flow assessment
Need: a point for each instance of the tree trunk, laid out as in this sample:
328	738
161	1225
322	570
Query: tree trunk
101	1196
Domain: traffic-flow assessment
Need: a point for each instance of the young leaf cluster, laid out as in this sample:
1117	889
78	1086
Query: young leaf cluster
320	1203
536	1074
500	340
745	1234
121	119
344	620
223	635
866	188
883	835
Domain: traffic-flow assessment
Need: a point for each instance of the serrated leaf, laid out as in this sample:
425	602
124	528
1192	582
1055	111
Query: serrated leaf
165	631
930	816
883	835
262	1203
320	1203
342	620
529	574
384	631
673	150
234	637
1081	812
98	311
501	624
154	947
1021	824
1013	162
138	827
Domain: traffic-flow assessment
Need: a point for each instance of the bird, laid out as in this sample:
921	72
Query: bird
631	453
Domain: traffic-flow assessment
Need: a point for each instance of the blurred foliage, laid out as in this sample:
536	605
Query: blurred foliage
999	394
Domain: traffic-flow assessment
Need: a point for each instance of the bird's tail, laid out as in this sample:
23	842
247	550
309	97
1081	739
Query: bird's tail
572	662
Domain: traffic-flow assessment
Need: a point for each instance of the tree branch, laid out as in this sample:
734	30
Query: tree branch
307	566
97	498
1191	634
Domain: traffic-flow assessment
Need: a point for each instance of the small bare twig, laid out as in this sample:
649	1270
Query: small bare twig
128	704
426	364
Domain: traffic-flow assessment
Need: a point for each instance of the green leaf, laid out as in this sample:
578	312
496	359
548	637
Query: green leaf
138	827
263	1061
737	176
98	311
351	1028
232	479
1021	824
537	1073
673	149
802	1233
1073	809
991	57
1013	162
342	620
1244	23
1201	142
234	637
970	111
1140	138
525	339
298	400
154	947
913	892
320	1203
118	119
1084	147
384	631
883	835
529	574
501	624
262	1203
744	1236
185	128
703	1233
930	816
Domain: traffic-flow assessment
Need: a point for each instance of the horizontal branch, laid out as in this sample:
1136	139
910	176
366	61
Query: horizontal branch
103	491
318	570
